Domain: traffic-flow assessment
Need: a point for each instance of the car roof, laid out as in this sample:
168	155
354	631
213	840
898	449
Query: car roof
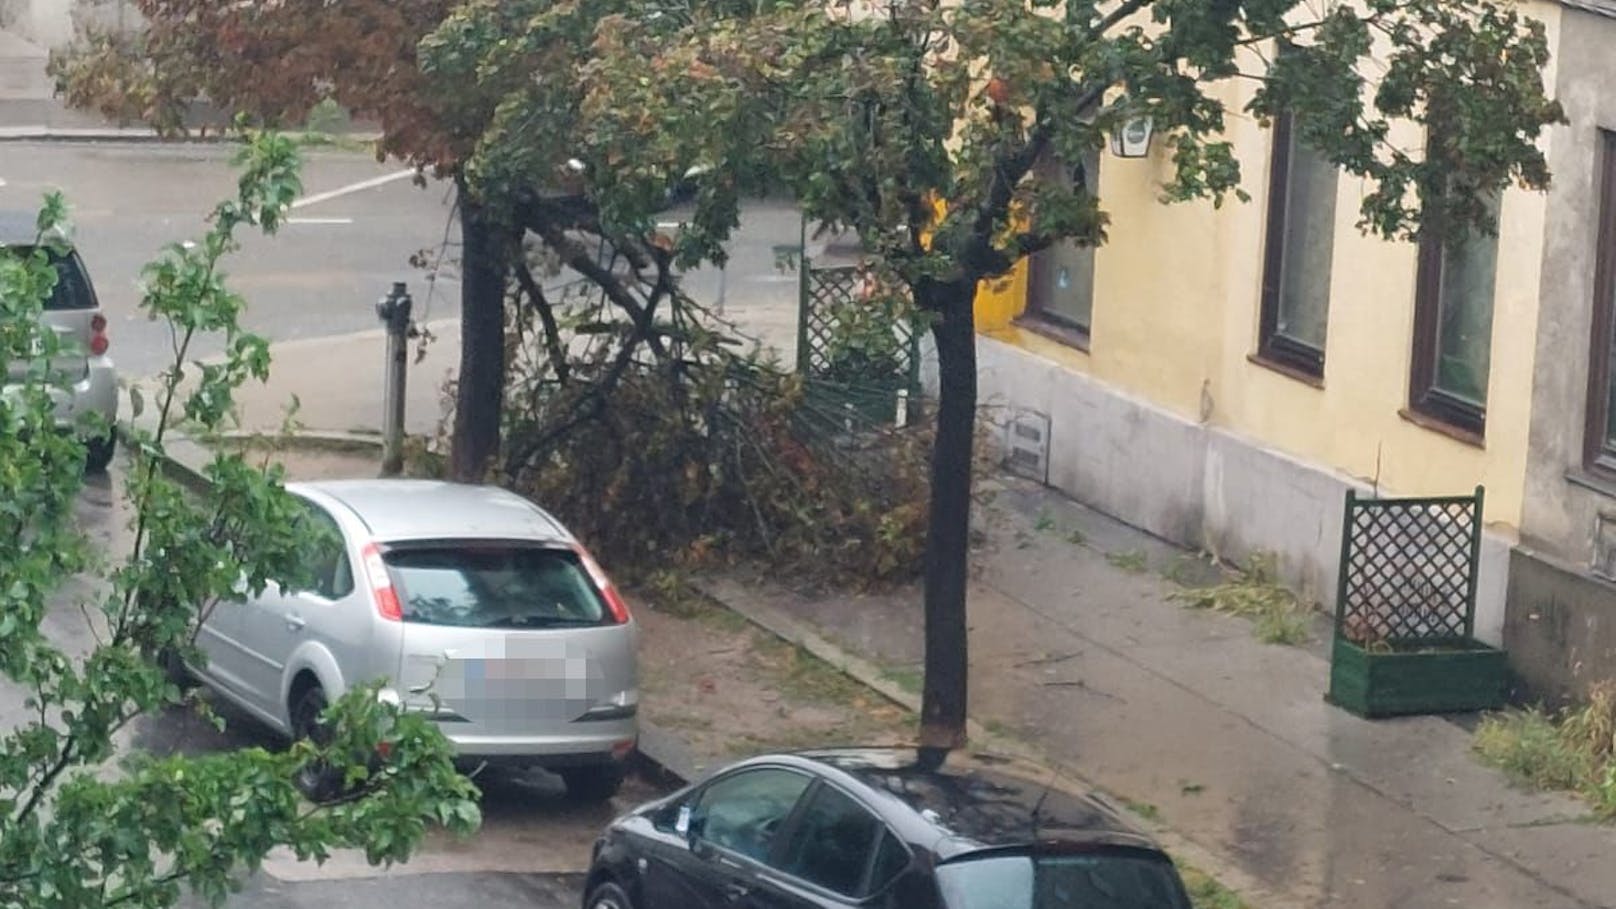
974	801
19	228
398	510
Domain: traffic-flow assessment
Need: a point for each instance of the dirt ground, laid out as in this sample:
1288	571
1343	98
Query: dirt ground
730	690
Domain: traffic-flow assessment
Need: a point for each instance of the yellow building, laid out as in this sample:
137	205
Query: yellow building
1221	376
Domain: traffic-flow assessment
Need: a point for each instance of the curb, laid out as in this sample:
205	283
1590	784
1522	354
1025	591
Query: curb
94	135
660	756
794	632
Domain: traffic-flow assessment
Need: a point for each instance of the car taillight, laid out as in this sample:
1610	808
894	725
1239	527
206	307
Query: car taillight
608	590
387	604
98	335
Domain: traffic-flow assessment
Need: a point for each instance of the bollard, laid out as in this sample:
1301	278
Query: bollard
394	311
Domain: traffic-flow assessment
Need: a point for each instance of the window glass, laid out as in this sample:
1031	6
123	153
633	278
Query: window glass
1100	880
495	586
1305	233
1465	336
742	813
1063	275
332	575
833	842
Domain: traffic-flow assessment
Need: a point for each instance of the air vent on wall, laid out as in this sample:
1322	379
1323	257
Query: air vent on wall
1026	445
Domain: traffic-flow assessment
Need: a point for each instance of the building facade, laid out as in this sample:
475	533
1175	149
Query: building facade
1221	376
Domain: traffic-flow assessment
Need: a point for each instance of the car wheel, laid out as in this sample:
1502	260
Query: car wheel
596	783
168	660
98	453
607	895
317	781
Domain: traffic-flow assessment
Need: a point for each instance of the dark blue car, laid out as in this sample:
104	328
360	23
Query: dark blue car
877	828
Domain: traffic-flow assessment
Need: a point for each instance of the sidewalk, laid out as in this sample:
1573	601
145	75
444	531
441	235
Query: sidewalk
1226	740
1182	714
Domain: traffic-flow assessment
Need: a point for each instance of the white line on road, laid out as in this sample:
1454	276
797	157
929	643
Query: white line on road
361	186
319	220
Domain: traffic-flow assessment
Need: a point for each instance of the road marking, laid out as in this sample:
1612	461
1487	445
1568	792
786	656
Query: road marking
361	186
319	220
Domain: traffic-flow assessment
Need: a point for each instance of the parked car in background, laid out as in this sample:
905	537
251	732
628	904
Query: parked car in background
877	828
474	605
87	378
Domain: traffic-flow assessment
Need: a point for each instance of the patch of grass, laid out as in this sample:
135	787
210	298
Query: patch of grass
1573	750
1254	592
1045	522
909	678
1192	788
1075	537
672	592
1133	561
799	675
1206	892
1144	809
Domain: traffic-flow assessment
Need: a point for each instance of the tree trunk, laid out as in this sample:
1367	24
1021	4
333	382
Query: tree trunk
943	701
479	392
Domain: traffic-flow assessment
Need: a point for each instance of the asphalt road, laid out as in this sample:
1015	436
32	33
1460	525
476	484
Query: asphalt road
404	889
351	235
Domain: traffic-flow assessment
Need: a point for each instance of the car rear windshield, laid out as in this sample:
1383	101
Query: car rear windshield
495	586
72	289
1101	880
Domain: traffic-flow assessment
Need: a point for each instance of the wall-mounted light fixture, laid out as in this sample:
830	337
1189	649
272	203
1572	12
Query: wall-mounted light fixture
1131	137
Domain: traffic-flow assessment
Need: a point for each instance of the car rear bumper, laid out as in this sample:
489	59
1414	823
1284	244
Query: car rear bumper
612	742
95	393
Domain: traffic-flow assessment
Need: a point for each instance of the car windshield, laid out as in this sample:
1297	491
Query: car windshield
1100	880
495	586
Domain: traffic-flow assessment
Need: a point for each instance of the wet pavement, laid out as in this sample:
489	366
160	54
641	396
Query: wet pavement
1226	740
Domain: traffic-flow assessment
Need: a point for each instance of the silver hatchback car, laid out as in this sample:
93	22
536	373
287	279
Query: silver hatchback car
87	382
471	603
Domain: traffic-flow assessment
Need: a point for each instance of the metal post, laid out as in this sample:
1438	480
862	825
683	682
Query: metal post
394	311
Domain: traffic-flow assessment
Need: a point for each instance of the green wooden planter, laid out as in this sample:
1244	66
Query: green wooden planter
1463	676
1406	610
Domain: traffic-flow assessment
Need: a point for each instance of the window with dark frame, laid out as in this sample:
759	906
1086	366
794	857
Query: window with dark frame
1298	252
1453	325
1061	277
1599	432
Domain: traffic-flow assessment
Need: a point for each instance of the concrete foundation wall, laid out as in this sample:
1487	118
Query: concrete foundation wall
1195	484
1561	630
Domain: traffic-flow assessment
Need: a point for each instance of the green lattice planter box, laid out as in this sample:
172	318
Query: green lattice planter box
1406	610
1457	677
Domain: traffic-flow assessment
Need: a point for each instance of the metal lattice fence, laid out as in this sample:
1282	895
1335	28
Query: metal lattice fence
851	359
1408	570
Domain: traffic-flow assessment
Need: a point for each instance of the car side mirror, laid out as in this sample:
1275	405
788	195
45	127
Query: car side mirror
689	825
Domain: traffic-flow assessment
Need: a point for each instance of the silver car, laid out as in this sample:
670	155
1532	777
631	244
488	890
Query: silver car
88	381
471	603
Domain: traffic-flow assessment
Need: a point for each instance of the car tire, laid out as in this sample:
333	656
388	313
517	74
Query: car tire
607	895
168	660
98	453
595	783
318	782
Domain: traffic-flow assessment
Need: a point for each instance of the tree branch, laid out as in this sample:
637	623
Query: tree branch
1117	15
552	332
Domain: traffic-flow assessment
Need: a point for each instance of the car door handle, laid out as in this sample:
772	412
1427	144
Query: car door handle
295	623
736	892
